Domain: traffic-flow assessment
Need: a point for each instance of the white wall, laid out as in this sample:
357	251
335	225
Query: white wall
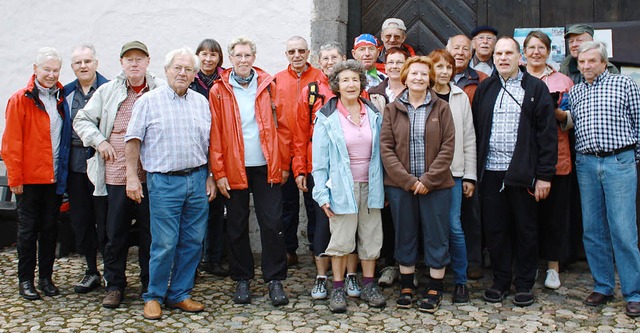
162	25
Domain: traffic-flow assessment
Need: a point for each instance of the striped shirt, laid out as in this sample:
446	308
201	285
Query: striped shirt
174	130
418	121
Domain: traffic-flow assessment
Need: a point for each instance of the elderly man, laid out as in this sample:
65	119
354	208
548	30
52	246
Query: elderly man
249	153
606	114
102	124
86	210
517	151
484	41
365	50
290	83
393	34
35	150
467	79
575	36
169	132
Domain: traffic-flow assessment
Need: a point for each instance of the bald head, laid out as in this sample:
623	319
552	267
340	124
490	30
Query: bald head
297	53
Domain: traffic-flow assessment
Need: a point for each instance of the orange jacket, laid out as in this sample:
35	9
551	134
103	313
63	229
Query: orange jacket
26	142
289	86
226	149
380	63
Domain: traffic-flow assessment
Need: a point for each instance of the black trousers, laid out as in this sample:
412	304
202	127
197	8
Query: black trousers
511	229
38	209
120	213
88	214
472	227
267	200
291	214
553	219
214	241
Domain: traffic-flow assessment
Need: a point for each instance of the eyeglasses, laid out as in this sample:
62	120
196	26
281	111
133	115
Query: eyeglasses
82	62
333	58
390	37
293	51
395	63
485	37
242	56
179	69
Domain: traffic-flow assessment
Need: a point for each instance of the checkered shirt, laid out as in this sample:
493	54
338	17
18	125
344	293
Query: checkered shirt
418	121
504	129
606	113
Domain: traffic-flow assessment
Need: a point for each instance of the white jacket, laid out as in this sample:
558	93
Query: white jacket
464	154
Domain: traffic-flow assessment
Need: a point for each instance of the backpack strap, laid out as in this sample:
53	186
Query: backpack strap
314	95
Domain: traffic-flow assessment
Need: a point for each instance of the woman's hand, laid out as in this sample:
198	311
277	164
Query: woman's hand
419	188
327	210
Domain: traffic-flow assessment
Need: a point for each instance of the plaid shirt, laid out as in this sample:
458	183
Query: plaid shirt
418	119
504	129
606	113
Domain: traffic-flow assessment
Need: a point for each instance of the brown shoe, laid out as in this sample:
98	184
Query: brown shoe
633	309
292	259
596	298
112	299
188	305
152	310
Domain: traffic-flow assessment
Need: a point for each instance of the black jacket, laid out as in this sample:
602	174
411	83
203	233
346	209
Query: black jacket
536	151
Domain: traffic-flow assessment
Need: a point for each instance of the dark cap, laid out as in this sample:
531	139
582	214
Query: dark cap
135	45
482	28
579	29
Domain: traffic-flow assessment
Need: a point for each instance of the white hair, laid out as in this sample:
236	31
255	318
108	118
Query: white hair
85	46
242	40
168	60
47	53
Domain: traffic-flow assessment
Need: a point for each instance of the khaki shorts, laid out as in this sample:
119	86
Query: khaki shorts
366	224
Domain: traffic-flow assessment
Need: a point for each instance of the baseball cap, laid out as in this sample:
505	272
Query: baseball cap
482	28
579	29
391	22
364	39
135	45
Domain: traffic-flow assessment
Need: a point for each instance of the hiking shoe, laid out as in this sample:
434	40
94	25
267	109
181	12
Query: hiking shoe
387	276
553	279
89	282
338	301
242	294
372	295
353	288
406	298
460	293
277	294
319	290
523	298
112	299
430	302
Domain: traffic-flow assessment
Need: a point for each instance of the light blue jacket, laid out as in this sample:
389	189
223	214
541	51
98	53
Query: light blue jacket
331	166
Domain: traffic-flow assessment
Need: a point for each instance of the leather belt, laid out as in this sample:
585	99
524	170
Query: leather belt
184	172
613	152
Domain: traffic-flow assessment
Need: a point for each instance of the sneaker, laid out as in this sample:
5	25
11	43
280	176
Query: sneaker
460	293
387	276
277	293
372	295
406	298
112	299
430	302
553	279
338	301
319	290
353	288
243	293
89	282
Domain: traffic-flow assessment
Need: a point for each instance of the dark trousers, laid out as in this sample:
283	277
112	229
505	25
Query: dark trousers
88	215
472	227
510	223
38	209
388	238
553	219
214	240
267	200
291	214
120	213
322	233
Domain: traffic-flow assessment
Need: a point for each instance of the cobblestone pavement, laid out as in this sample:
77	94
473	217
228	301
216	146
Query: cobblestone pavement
554	311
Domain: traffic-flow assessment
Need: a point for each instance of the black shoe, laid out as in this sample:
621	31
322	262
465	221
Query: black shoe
218	270
277	294
460	293
242	294
28	290
405	300
47	287
431	301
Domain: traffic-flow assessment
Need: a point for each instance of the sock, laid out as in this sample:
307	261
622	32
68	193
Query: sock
321	277
366	280
338	284
436	284
406	280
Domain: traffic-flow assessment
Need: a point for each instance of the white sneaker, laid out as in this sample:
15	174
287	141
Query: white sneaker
388	275
353	288
319	290
553	279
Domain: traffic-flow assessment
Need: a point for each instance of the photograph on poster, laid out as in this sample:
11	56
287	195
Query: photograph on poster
634	72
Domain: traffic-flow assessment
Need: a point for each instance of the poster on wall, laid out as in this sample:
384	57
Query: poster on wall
634	72
557	43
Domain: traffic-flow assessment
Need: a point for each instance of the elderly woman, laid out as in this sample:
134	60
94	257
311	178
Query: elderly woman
416	144
463	166
35	149
553	213
348	180
249	152
210	54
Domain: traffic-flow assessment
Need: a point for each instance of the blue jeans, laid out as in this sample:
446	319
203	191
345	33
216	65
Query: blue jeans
607	188
457	244
179	207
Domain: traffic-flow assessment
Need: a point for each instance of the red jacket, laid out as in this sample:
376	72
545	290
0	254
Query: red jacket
226	149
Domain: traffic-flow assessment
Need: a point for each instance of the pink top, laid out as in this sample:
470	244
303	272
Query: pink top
358	141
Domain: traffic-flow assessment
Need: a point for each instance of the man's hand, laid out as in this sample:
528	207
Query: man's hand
285	176
17	190
212	190
542	189
106	151
301	181
134	189
467	189
223	187
327	210
419	188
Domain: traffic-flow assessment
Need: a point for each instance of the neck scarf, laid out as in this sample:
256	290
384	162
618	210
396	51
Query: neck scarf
243	80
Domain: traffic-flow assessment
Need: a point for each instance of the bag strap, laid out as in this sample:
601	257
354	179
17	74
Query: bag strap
313	97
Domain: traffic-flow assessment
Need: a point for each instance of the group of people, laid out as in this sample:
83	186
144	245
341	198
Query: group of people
399	157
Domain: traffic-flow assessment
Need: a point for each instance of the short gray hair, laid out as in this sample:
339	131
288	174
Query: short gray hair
47	53
591	45
168	60
241	40
348	65
85	46
331	46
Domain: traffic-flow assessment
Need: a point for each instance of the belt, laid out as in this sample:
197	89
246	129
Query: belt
613	152
184	172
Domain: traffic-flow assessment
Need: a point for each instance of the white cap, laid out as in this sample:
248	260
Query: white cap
394	23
